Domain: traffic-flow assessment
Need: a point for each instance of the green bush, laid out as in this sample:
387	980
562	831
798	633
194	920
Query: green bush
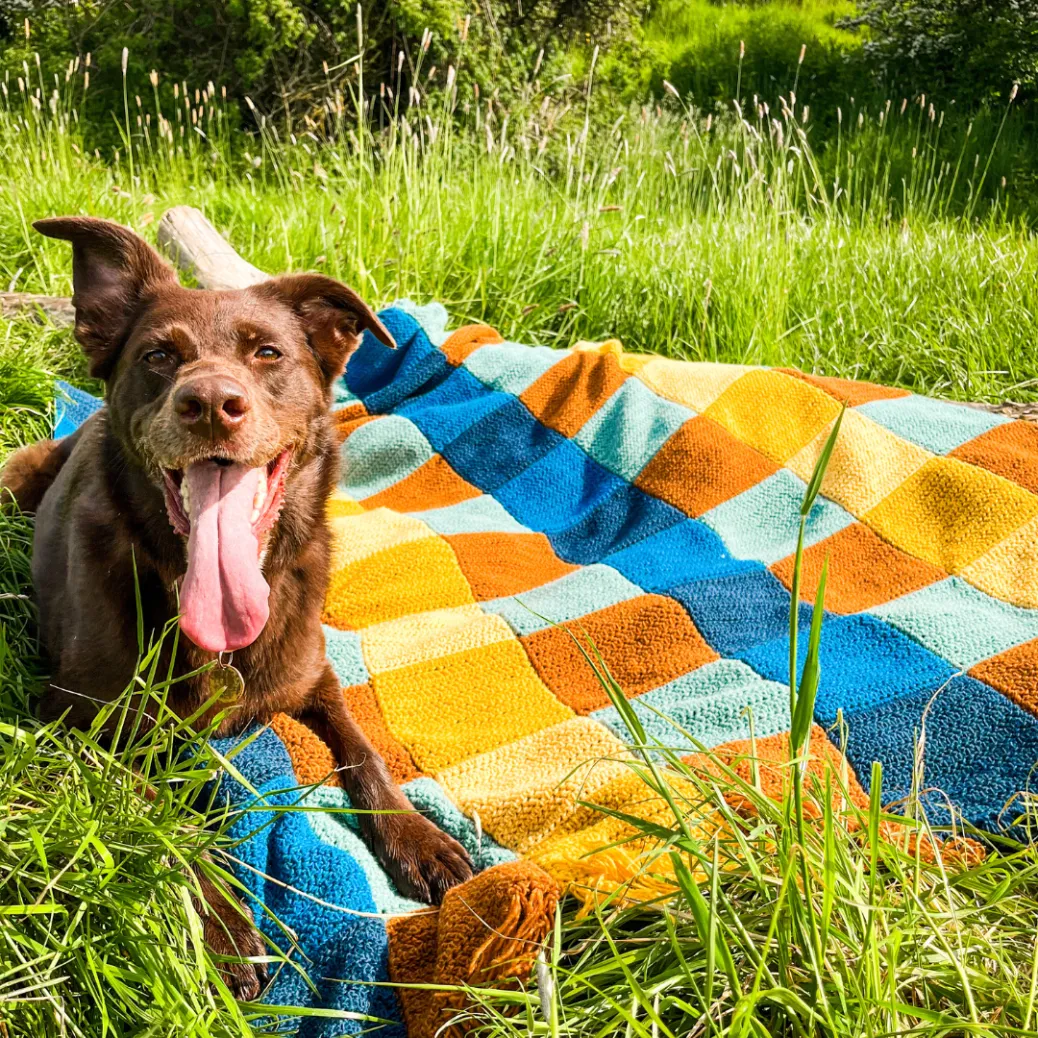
972	49
284	54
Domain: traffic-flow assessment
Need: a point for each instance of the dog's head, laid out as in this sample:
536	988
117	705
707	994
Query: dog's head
218	396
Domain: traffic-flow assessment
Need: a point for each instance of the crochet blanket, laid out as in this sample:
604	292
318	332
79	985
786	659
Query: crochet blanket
492	490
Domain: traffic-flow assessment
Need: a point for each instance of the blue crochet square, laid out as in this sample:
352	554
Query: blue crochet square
557	491
476	515
979	753
511	367
740	610
72	407
344	654
583	591
960	623
382	377
630	427
688	550
379	454
449	409
713	704
762	523
507	441
625	517
864	663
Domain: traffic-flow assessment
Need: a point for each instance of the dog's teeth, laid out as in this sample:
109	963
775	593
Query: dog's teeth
259	500
185	497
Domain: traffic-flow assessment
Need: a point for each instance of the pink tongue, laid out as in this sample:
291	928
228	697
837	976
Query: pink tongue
223	600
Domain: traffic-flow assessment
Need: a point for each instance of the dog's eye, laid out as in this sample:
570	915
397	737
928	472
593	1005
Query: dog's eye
153	358
268	353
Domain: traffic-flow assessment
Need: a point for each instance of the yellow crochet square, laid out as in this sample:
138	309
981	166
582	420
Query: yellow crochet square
427	636
632	363
529	789
448	709
950	513
340	504
774	413
694	384
608	853
1009	570
412	577
868	462
356	536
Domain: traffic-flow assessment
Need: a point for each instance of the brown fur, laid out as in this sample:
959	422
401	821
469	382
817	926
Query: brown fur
101	511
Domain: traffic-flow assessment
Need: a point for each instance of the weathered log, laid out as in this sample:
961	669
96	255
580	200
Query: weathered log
199	249
21	304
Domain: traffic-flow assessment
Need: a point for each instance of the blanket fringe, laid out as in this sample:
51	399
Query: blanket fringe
487	933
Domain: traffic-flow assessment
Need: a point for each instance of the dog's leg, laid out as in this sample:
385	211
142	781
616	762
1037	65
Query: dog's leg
228	930
423	861
230	934
30	471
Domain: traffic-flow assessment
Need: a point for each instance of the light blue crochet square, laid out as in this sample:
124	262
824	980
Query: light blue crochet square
432	317
328	812
712	704
511	367
630	427
576	594
381	453
72	407
958	622
344	654
762	523
342	396
934	424
482	514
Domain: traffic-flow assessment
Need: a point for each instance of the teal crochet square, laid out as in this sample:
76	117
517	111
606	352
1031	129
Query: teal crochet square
762	523
630	427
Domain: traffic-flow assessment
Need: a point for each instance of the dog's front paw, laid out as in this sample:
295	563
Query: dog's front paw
231	937
423	861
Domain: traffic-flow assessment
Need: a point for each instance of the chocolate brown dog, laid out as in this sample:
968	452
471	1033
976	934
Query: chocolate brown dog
208	471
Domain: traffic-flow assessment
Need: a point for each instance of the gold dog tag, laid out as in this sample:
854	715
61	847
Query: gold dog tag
226	683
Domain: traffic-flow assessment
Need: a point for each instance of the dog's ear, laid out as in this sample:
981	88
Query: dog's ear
333	316
112	271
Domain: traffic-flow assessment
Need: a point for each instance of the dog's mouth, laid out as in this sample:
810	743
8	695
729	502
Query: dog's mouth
267	501
225	509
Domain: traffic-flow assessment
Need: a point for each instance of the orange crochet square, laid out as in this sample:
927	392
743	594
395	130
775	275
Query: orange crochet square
312	761
702	465
433	484
570	392
1010	450
864	571
349	419
847	390
1014	673
645	642
499	564
467	340
771	755
364	706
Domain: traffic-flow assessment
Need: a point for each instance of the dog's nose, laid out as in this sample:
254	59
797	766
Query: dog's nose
211	405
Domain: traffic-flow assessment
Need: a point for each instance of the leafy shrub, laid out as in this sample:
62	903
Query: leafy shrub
284	53
975	49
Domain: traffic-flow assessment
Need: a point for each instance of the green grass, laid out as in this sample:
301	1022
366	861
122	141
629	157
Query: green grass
694	236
